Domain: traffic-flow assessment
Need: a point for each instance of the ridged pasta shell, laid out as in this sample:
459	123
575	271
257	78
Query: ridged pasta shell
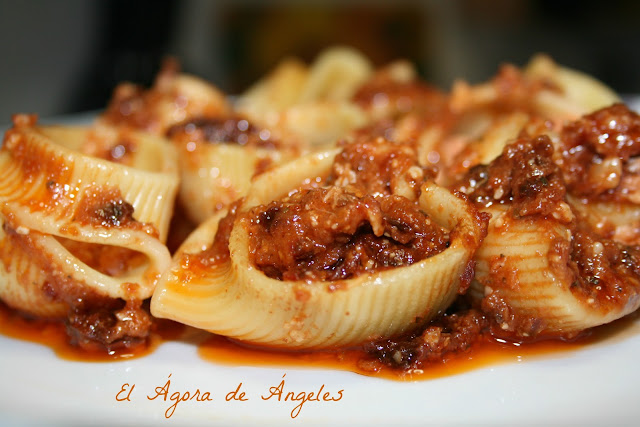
336	75
47	189
581	93
276	91
520	261
311	106
622	218
236	299
43	175
214	175
318	123
23	281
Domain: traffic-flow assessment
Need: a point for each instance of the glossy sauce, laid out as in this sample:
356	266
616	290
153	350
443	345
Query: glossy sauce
486	352
53	334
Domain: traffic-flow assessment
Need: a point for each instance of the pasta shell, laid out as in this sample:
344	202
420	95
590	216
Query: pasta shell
174	97
336	75
44	179
311	106
23	281
318	123
523	265
279	90
215	175
581	93
236	299
621	220
58	206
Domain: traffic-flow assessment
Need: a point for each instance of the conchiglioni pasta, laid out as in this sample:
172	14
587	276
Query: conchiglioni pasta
531	285
234	297
218	158
315	108
62	210
541	270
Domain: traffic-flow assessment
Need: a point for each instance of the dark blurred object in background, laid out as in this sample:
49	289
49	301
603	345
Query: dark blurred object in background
67	56
256	37
134	39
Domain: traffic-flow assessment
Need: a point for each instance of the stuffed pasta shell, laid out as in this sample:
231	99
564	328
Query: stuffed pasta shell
542	269
82	237
329	250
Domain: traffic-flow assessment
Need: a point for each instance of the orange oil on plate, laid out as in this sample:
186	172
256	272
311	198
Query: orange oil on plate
53	334
485	352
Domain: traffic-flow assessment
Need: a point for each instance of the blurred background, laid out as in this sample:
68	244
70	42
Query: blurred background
67	56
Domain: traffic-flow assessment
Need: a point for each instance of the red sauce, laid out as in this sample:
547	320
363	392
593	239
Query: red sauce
53	334
485	352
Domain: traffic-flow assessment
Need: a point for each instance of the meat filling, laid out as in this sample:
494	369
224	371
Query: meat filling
600	155
524	176
379	167
330	234
606	273
236	130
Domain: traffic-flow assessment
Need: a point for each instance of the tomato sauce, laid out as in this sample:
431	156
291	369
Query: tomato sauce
485	352
53	334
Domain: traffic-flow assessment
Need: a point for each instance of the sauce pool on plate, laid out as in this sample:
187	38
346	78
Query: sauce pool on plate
485	352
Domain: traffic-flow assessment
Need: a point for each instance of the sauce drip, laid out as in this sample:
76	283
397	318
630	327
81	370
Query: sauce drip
53	334
484	353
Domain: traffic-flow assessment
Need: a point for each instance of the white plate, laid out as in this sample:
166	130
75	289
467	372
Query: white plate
596	385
